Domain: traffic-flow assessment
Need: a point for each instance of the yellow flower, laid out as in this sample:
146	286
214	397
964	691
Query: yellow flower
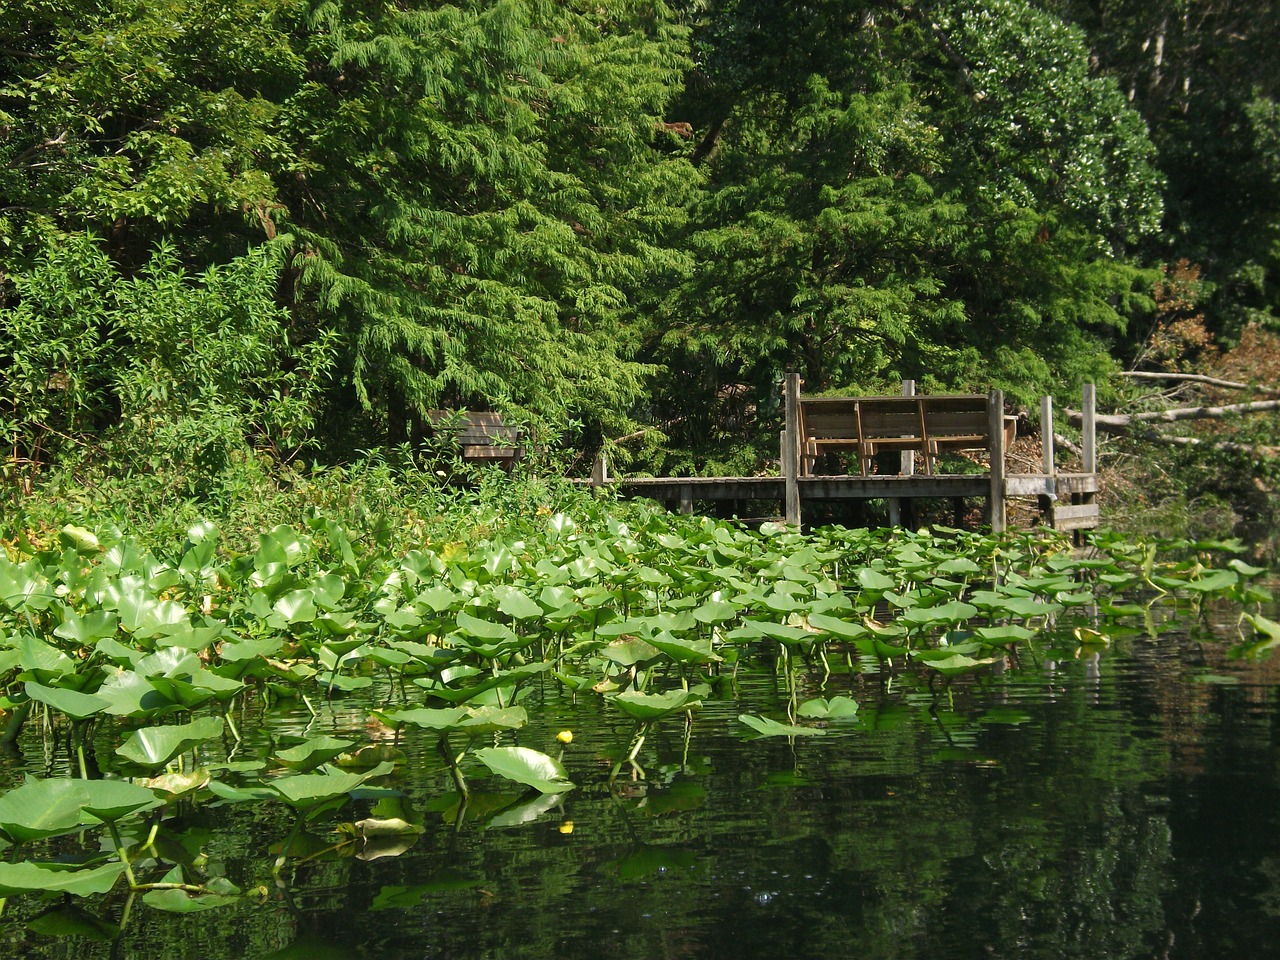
567	827
565	736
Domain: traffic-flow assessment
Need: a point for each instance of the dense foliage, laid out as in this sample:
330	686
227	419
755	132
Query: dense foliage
264	226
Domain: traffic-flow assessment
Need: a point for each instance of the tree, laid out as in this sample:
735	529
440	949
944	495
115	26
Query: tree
472	194
891	193
1204	78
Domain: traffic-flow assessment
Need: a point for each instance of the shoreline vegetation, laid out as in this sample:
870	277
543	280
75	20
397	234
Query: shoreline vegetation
621	226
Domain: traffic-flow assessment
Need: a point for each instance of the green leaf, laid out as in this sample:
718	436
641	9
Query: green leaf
837	708
155	746
953	611
218	892
519	605
772	728
47	808
483	629
631	651
685	651
42	808
76	705
844	629
648	707
312	753
957	664
529	767
307	790
28	877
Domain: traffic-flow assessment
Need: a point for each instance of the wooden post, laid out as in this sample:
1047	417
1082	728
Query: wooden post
600	470
995	424
1046	436
1047	465
1089	450
909	456
907	465
791	450
686	498
1089	434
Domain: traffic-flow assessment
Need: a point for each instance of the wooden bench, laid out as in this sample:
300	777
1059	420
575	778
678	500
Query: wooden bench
867	426
481	437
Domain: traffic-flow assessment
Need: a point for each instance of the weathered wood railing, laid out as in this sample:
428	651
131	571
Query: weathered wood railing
918	428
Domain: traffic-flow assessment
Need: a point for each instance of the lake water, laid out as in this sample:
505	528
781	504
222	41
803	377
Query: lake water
1120	804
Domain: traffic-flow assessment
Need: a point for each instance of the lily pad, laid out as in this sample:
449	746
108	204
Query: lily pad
526	766
837	708
653	706
156	746
29	877
772	728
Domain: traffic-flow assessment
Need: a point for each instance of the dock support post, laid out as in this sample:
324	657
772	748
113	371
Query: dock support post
599	470
1088	449
791	450
907	465
1089	430
995	426
686	498
1047	466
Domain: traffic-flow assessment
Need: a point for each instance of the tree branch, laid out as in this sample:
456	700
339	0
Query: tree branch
1189	378
1119	423
1253	449
1068	445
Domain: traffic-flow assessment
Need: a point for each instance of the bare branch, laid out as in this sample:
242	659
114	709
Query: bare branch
1119	423
1253	449
1068	445
1189	378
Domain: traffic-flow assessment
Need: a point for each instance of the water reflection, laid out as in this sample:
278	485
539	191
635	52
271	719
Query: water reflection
1120	804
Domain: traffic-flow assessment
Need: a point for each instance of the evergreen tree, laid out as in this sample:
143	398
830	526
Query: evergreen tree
942	192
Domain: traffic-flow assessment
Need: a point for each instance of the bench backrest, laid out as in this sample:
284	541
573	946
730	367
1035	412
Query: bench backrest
475	429
958	416
482	437
829	418
891	417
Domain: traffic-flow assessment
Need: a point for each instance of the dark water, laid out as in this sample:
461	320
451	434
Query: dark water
1112	806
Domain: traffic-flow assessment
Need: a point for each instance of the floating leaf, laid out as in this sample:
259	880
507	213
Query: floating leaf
772	728
155	746
29	877
648	707
311	753
526	766
957	664
307	790
76	705
218	892
837	708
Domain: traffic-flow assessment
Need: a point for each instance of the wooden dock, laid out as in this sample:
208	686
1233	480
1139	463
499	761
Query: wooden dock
1066	501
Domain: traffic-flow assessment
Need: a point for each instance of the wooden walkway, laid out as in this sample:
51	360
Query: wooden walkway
1067	501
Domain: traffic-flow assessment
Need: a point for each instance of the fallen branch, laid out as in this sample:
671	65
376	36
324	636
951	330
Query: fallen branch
1119	423
1253	449
1190	378
1068	445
